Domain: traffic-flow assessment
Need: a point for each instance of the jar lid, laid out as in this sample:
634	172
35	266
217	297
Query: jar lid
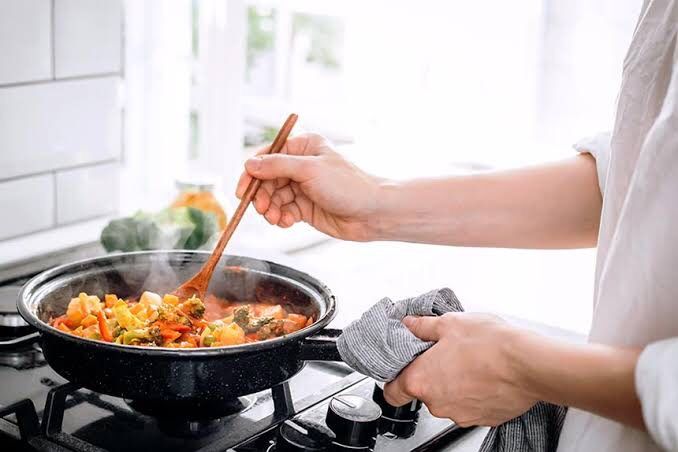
185	184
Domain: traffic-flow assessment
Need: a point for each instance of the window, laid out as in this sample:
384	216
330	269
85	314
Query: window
414	87
295	62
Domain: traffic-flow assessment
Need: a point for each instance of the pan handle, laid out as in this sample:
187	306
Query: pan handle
321	346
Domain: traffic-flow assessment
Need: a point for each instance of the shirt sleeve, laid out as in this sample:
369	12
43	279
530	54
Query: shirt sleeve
657	388
599	147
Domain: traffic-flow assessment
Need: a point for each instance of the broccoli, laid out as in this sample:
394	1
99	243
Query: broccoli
168	313
142	336
117	331
241	316
256	324
274	328
195	307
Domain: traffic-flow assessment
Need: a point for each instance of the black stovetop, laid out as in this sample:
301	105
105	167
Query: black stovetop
39	410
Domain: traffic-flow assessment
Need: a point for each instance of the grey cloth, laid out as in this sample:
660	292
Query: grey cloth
380	346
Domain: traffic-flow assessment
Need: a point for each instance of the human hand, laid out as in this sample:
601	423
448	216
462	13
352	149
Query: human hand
308	181
468	375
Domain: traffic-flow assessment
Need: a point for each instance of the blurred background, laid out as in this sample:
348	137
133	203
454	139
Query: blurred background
111	107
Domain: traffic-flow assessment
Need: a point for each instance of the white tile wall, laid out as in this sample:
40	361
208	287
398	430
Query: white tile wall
25	47
50	126
88	36
60	114
28	205
87	192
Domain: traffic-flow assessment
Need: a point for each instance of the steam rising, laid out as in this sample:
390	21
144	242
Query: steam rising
128	275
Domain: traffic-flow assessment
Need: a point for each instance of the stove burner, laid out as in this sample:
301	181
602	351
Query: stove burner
23	357
11	323
194	419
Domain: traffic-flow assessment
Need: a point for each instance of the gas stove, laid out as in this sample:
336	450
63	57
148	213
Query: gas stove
327	406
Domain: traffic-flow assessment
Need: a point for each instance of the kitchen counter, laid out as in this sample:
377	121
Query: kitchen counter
546	287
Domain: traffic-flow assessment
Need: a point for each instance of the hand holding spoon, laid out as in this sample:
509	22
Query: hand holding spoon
198	284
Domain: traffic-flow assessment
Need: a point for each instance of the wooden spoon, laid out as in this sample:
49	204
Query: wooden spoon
198	284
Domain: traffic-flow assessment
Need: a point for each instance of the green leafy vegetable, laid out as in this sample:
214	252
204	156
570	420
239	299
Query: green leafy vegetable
172	228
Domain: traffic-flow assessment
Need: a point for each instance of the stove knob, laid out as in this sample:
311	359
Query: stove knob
301	435
354	420
407	412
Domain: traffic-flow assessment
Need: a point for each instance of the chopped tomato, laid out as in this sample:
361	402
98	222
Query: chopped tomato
298	319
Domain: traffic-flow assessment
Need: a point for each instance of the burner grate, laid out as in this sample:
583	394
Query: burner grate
27	418
62	397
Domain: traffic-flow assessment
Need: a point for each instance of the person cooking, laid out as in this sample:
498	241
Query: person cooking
619	194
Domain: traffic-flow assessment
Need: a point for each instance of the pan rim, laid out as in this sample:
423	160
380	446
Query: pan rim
31	317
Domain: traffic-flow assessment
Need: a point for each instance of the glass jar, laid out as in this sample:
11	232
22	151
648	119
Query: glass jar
200	195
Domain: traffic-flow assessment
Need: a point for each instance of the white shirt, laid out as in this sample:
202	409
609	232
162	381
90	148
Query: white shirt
636	293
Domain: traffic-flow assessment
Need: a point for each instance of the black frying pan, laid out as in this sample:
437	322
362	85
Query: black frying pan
195	379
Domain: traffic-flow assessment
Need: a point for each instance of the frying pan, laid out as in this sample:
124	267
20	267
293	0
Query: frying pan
183	379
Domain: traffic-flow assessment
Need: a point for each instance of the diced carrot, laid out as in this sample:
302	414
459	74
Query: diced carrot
89	320
169	335
103	327
173	326
62	326
136	308
110	300
199	323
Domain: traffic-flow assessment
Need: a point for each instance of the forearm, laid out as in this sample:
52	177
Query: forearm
549	206
594	378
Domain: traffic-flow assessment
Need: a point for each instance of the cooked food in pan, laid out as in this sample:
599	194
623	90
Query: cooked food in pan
156	321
